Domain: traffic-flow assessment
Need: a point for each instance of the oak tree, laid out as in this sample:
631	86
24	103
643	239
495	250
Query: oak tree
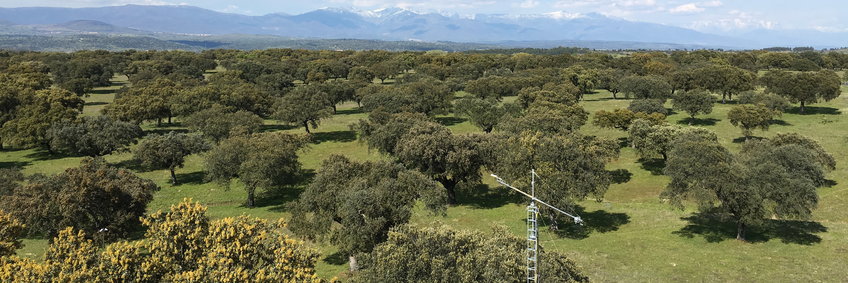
168	151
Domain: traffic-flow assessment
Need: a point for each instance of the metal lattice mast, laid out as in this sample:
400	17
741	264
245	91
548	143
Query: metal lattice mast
532	234
533	225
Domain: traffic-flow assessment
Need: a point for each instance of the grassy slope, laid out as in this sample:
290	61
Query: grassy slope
635	237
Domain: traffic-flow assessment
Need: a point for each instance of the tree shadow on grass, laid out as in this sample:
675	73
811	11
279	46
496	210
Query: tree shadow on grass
274	128
599	221
698	122
829	183
653	165
13	164
103	91
620	176
450	121
165	131
744	139
337	136
715	227
42	155
350	111
623	142
193	178
484	197
780	123
134	165
336	258
814	110
278	199
95	103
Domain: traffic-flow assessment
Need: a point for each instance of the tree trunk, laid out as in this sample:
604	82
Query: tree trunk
450	186
169	120
802	107
664	155
158	122
173	176
306	126
354	266
740	231
723	98
251	198
46	145
334	109
1	143
613	95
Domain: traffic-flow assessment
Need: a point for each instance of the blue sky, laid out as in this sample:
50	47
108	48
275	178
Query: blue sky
705	15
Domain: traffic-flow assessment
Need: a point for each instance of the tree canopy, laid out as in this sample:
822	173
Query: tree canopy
259	161
104	201
749	117
645	87
485	114
453	160
573	166
354	205
93	136
466	256
218	124
804	87
693	102
304	105
767	179
622	118
33	118
168	151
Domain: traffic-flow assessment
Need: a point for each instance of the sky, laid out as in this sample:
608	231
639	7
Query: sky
723	16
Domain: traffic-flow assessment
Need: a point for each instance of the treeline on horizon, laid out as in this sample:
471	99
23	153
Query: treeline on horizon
363	208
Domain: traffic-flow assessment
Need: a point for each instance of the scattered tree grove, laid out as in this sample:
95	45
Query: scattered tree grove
768	179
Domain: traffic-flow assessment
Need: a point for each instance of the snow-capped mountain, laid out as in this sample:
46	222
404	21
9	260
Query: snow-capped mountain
400	24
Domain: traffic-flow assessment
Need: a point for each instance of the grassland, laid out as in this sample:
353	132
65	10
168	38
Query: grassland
630	235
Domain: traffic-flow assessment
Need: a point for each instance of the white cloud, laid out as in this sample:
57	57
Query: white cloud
432	5
235	9
560	15
735	20
711	4
601	4
636	3
830	29
686	8
529	4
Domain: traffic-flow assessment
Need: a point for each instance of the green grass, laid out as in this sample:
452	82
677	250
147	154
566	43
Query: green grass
632	235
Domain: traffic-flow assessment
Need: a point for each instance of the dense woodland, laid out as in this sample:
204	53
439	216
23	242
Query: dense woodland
249	116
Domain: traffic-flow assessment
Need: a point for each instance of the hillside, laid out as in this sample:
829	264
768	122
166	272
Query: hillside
389	24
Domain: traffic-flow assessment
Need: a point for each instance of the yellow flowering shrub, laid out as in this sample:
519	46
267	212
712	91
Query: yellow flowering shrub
181	245
11	231
71	257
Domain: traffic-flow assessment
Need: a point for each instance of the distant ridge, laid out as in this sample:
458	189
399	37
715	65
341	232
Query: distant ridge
392	25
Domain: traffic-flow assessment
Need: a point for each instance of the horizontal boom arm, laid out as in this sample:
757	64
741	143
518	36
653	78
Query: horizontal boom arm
577	219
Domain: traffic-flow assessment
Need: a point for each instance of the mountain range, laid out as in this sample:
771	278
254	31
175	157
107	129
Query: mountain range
389	25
